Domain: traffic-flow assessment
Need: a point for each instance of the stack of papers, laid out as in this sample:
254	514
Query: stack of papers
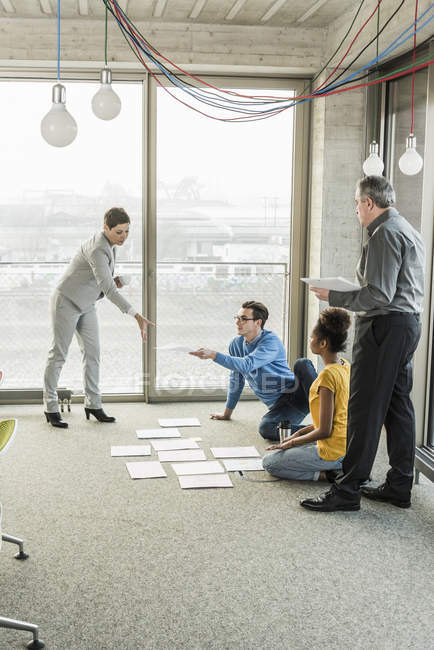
333	284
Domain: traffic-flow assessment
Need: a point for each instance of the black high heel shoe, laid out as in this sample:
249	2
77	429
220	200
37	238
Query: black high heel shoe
55	419
99	415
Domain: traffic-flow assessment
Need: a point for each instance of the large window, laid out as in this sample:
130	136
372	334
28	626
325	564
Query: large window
52	200
223	230
408	188
415	202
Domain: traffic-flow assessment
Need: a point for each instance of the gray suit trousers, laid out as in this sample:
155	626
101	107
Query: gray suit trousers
67	319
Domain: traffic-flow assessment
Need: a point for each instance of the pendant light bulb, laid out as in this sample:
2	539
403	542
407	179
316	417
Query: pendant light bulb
58	127
373	165
106	104
410	162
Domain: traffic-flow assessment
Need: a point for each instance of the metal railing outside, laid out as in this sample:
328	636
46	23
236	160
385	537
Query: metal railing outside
196	303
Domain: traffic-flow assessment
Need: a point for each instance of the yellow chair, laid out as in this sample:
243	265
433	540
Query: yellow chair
8	430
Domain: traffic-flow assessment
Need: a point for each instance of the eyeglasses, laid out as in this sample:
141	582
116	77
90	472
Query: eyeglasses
243	319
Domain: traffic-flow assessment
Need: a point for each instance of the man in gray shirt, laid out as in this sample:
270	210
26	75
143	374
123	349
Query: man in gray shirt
388	304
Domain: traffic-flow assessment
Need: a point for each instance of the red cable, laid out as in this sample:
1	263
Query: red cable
279	110
351	45
414	73
131	27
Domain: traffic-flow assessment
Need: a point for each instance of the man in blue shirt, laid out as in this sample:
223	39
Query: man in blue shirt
258	356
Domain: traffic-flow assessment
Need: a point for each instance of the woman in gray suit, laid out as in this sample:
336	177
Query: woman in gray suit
88	278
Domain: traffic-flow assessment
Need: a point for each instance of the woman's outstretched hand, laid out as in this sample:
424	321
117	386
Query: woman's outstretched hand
143	323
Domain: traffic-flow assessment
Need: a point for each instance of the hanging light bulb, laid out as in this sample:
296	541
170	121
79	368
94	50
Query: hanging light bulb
106	104
58	127
373	165
410	162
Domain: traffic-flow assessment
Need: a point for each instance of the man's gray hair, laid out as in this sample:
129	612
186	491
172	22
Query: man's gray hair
378	189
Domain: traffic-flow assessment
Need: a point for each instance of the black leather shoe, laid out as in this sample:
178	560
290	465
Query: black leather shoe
55	419
99	415
330	501
384	493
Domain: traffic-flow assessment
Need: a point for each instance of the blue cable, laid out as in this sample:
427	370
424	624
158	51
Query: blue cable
223	103
390	48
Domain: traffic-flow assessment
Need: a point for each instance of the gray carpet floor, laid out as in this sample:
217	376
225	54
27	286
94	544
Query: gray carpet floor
117	563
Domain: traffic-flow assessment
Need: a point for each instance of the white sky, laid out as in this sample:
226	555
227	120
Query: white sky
234	162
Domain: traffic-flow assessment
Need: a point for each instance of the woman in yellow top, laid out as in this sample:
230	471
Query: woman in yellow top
311	452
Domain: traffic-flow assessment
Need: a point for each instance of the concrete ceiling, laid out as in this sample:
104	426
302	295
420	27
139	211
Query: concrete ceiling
275	13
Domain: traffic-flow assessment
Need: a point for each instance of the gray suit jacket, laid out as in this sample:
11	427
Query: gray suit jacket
89	275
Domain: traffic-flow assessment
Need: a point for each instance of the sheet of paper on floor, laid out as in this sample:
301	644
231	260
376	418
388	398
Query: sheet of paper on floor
148	469
158	433
206	467
181	455
205	481
176	443
131	450
178	422
234	452
243	464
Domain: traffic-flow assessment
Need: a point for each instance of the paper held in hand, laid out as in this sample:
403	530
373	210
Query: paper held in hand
333	284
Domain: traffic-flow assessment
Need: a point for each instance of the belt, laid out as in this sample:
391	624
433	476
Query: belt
394	317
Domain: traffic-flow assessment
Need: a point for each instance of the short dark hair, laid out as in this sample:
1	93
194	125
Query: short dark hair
332	326
260	312
115	216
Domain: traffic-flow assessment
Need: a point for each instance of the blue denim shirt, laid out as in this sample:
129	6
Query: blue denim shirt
262	362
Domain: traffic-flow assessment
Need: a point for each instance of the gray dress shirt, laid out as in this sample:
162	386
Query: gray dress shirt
390	270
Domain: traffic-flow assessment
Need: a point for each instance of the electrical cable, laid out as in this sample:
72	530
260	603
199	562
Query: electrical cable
58	40
193	89
105	36
351	45
412	80
350	65
246	110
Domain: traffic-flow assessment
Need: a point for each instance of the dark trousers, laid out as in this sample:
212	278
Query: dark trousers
380	386
293	405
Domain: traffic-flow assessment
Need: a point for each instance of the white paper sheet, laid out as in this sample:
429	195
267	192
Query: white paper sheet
179	422
334	284
148	469
243	464
205	481
174	347
181	455
207	467
131	450
234	452
170	445
158	433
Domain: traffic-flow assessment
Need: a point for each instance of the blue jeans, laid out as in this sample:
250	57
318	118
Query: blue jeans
301	463
292	405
